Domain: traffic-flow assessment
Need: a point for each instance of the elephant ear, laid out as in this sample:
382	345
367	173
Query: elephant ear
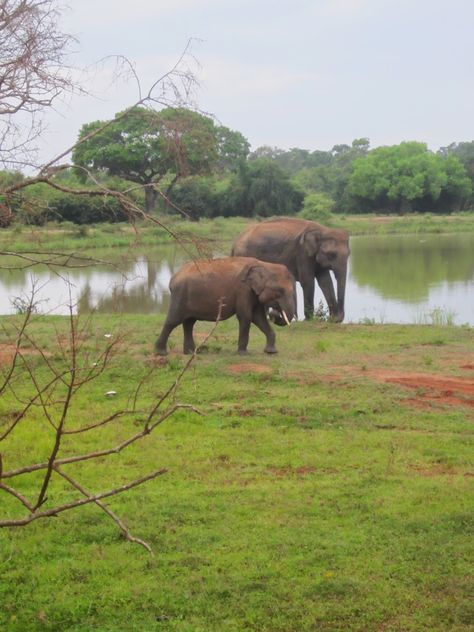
311	241
257	278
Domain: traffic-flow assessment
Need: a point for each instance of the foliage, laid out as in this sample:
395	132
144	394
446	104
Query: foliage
403	177
41	203
464	152
329	172
195	197
262	189
232	148
317	207
294	160
258	188
143	146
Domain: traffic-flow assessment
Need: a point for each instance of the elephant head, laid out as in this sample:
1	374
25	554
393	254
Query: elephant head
328	249
275	288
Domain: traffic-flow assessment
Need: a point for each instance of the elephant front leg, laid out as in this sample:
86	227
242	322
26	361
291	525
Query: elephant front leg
260	319
188	343
307	283
327	288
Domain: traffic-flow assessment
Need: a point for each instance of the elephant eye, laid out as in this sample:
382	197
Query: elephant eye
332	255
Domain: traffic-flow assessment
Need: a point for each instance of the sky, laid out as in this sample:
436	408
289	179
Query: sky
285	73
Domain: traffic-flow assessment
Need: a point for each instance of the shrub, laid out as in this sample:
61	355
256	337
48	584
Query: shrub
317	207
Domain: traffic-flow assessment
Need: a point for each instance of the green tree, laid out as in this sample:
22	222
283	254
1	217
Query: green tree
464	152
328	172
262	188
232	147
144	146
266	151
405	177
196	197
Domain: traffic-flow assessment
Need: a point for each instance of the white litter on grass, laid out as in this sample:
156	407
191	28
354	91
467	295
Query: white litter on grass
107	335
111	393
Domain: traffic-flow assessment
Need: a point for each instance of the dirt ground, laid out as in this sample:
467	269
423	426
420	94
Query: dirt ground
431	388
425	389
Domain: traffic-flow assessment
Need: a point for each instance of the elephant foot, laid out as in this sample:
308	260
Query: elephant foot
188	351
271	350
242	351
161	352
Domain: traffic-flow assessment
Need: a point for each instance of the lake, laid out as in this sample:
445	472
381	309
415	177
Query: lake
391	279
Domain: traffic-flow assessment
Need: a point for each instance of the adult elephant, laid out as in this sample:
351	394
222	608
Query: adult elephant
309	250
208	289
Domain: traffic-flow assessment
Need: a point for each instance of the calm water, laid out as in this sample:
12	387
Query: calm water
392	279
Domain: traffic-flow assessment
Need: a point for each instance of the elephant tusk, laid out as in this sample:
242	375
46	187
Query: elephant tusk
285	317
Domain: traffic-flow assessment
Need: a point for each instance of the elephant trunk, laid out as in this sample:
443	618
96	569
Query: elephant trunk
341	275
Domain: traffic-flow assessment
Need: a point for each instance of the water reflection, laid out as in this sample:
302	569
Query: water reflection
403	279
133	284
391	279
407	267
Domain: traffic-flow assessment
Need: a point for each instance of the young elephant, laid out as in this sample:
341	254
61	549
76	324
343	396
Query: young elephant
236	285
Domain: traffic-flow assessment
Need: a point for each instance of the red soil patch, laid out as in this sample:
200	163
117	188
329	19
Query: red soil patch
249	367
283	472
7	353
433	388
438	469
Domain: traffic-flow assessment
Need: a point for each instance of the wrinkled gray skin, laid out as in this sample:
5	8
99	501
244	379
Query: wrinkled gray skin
242	285
309	250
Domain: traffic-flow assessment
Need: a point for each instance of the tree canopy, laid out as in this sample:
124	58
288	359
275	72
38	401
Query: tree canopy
144	146
405	176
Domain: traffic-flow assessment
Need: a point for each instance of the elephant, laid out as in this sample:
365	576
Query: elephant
219	288
308	250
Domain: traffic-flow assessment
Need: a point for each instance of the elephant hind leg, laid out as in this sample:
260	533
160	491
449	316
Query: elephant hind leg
188	343
161	342
244	331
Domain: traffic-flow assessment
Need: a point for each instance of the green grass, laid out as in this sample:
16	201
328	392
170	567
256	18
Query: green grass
423	223
310	495
67	237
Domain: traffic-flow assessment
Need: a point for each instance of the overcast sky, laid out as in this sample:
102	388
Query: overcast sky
296	73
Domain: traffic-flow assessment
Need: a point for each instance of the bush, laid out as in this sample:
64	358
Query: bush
317	207
39	203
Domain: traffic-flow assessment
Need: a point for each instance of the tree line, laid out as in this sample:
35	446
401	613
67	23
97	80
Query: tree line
177	160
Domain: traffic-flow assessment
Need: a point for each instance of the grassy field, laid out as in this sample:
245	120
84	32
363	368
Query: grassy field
327	488
69	237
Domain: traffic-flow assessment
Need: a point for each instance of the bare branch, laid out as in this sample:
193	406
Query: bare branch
18	496
33	69
53	391
81	502
126	533
101	453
